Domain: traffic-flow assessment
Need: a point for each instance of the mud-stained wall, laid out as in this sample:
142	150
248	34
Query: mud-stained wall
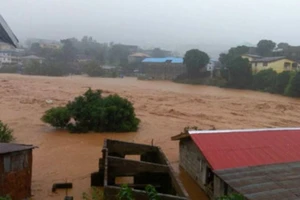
16	174
163	71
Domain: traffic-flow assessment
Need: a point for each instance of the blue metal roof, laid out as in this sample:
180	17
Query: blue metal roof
163	60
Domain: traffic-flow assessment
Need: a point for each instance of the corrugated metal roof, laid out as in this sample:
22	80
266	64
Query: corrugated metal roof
6	34
269	59
242	148
163	60
276	182
11	147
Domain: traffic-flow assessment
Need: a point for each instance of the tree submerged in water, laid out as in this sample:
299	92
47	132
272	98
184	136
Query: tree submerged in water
92	112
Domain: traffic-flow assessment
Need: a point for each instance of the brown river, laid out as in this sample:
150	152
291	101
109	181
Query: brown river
164	108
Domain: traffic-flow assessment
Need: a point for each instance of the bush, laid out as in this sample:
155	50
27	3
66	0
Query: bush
93	69
293	88
91	112
282	80
5	133
5	198
9	69
265	80
58	117
118	115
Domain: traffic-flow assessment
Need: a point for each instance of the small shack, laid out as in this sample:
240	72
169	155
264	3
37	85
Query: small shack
139	165
163	68
257	163
15	170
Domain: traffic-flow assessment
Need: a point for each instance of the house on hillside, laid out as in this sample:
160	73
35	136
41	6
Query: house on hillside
162	68
256	163
32	58
137	57
15	170
278	64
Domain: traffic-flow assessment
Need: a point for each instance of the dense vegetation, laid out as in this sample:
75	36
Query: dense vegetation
125	193
5	133
92	112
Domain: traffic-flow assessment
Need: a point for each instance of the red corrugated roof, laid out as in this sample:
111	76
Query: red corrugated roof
242	148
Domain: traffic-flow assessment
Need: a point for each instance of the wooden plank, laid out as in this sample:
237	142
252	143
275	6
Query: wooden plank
127	148
123	167
111	193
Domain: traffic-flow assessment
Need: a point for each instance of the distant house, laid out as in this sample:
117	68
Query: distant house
137	57
163	68
257	163
279	64
15	170
31	58
10	57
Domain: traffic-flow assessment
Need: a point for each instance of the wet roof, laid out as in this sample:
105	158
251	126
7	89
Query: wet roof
6	34
269	59
276	182
225	149
163	60
11	147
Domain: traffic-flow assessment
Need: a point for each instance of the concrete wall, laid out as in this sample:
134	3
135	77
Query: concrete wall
163	71
194	163
278	66
17	181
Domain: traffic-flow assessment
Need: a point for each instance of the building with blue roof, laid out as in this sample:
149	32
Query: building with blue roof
167	68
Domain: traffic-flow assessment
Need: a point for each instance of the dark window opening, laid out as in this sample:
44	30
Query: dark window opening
209	180
265	64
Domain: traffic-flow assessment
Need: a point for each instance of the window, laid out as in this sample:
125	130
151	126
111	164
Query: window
15	162
255	64
287	65
265	64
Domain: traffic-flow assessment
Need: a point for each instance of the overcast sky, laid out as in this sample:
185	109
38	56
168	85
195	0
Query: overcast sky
206	24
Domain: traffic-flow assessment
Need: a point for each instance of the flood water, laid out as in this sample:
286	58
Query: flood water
164	108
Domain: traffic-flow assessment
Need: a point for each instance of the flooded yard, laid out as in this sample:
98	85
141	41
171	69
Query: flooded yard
164	108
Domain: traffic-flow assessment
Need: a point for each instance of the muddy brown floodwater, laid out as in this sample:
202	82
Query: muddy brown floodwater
164	108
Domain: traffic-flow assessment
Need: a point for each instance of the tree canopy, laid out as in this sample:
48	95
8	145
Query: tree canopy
232	54
265	47
195	60
239	73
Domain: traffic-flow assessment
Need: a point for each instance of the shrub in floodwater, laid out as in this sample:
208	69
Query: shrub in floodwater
282	80
58	117
91	112
5	133
265	80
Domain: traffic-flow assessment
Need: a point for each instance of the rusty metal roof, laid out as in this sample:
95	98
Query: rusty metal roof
225	149
11	147
276	181
6	34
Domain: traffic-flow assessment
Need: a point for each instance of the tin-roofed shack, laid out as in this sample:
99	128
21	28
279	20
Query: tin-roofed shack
15	170
162	68
257	163
149	166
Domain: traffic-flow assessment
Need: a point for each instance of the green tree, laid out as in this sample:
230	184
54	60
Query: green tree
265	47
36	48
68	50
232	54
283	45
195	60
93	69
5	133
265	80
282	80
239	74
158	53
293	88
